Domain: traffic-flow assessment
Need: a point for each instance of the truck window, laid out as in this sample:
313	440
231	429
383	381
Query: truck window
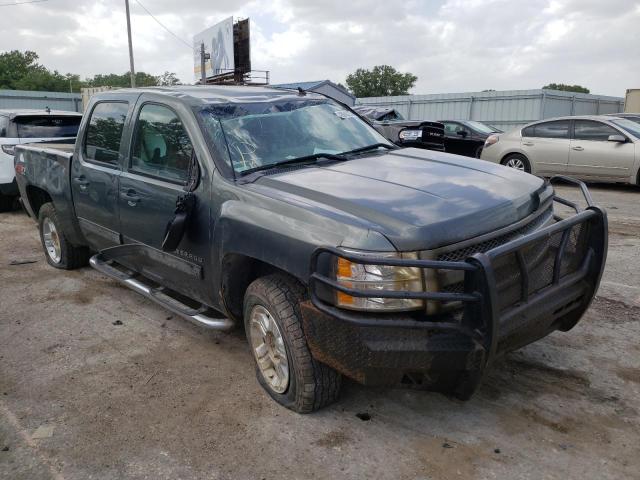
162	147
104	132
47	126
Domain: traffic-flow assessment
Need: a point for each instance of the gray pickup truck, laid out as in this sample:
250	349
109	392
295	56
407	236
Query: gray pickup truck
341	253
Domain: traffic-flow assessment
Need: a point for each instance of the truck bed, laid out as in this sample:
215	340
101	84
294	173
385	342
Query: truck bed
43	170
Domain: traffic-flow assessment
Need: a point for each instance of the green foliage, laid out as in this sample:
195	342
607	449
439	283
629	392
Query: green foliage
566	88
21	71
381	81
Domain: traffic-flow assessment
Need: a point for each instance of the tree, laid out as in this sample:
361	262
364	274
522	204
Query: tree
168	79
381	81
566	88
16	65
121	80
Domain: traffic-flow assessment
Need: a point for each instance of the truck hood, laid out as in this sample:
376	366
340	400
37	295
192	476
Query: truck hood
418	199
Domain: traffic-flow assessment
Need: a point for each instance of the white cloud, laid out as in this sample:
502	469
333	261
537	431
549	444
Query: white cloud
451	45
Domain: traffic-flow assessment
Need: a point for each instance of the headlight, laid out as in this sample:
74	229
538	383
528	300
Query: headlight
410	135
372	278
491	139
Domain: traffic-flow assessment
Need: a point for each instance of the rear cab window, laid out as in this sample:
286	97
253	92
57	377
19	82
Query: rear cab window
554	129
47	126
104	132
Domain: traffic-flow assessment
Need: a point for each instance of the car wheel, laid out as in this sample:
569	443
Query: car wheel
517	161
479	151
284	365
58	251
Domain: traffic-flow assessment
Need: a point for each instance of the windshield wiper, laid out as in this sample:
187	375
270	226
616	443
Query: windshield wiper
374	146
299	160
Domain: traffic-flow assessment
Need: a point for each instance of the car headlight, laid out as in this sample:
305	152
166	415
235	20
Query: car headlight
379	278
410	135
491	139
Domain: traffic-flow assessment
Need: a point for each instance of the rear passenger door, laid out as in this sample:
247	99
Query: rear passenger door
95	172
546	145
593	156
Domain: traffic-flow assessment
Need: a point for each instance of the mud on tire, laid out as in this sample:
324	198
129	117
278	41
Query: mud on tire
312	385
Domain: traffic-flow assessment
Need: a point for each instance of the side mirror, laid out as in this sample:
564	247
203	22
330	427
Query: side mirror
462	133
617	138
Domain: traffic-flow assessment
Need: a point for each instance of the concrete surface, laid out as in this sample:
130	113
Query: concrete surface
159	398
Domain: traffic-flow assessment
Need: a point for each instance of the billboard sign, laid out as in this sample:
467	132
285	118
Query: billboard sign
218	43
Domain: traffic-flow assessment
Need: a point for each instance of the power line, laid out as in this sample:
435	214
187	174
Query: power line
21	3
161	24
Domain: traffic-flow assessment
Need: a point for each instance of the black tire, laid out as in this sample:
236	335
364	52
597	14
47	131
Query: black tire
517	156
7	203
479	151
312	385
71	256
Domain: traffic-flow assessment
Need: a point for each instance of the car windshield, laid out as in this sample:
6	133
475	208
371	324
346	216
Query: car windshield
47	126
629	125
481	127
266	134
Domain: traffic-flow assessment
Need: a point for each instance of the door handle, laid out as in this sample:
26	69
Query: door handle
131	197
577	149
527	144
82	182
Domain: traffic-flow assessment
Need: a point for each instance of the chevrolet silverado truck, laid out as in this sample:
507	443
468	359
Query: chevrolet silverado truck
340	253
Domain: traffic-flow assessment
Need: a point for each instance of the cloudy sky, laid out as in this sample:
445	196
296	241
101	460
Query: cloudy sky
451	45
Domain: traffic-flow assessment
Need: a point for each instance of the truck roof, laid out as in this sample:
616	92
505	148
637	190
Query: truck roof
197	95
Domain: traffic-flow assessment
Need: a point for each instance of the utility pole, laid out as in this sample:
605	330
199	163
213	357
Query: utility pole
132	70
203	67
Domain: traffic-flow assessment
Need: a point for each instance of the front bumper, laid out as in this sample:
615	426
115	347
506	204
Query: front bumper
9	189
514	294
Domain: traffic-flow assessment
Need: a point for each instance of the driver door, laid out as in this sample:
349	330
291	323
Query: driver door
155	175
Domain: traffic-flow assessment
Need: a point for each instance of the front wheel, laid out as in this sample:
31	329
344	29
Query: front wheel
284	365
59	252
518	162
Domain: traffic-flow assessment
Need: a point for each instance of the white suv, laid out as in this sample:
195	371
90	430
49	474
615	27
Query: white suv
597	148
28	126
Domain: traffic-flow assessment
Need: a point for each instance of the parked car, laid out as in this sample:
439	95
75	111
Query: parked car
341	253
466	137
597	148
28	126
405	133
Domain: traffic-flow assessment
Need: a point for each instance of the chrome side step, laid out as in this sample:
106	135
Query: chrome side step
201	316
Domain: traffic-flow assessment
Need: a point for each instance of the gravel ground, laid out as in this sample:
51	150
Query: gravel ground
83	396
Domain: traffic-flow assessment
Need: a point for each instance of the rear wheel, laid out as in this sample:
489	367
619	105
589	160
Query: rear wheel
479	151
59	252
284	365
518	162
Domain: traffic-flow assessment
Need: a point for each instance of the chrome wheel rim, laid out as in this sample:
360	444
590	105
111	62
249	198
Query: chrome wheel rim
51	240
268	349
516	163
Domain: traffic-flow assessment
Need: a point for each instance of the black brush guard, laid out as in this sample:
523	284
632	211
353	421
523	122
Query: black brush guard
513	295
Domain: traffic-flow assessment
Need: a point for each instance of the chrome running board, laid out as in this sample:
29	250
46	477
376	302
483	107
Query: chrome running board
202	316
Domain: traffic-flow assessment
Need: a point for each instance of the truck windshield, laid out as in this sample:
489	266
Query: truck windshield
47	126
269	133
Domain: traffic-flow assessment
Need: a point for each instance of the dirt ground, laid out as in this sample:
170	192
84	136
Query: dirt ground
83	396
